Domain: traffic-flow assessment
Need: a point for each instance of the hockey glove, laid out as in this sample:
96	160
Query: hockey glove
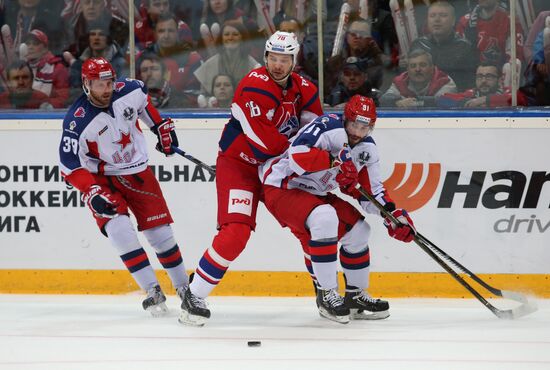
100	202
166	135
348	177
404	232
351	191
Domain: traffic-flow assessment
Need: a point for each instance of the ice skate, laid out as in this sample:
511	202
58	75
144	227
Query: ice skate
331	306
194	310
155	302
363	307
180	292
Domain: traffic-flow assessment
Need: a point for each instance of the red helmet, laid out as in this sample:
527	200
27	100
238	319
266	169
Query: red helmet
97	69
360	109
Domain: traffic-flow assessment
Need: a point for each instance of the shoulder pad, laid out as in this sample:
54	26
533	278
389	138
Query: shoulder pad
78	116
124	86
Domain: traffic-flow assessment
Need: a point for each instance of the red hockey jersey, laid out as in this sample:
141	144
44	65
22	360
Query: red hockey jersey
265	115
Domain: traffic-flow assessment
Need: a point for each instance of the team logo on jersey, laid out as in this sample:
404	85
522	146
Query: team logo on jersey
80	112
128	113
364	157
270	113
125	139
72	125
119	86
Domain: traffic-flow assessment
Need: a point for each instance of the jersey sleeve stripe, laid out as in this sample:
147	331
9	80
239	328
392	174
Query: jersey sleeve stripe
247	128
311	101
263	92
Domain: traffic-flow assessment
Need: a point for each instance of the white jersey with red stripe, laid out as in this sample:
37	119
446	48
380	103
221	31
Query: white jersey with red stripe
306	163
108	140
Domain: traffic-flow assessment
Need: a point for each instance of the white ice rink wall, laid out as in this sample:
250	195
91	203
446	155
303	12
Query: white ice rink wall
478	185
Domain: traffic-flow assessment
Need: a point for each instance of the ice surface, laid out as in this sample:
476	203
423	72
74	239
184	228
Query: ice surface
68	332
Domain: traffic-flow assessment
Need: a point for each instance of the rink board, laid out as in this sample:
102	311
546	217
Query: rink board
479	187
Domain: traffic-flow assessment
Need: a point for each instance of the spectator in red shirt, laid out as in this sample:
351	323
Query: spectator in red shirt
151	11
51	76
20	94
420	85
488	27
488	92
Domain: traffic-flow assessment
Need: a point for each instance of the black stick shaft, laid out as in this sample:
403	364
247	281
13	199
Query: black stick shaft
425	245
194	160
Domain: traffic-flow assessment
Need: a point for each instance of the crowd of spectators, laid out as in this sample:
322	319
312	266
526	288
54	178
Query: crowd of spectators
192	53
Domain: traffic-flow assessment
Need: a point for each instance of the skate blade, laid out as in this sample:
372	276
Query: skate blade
356	314
339	319
192	320
158	310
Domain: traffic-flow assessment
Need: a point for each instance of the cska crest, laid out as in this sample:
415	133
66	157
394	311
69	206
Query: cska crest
80	112
119	86
128	113
364	157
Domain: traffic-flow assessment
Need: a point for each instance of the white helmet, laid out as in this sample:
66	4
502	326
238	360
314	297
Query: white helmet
283	43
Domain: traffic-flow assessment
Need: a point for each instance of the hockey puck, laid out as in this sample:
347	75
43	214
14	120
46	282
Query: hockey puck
254	343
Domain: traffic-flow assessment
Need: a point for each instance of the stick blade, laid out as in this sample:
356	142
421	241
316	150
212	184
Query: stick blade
527	307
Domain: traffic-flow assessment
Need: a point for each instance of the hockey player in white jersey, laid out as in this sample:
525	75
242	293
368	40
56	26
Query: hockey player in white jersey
327	154
103	154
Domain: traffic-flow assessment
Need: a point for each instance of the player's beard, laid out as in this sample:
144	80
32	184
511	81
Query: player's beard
279	75
101	100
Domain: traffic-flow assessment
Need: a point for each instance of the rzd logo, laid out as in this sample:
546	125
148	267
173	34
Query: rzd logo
404	192
240	201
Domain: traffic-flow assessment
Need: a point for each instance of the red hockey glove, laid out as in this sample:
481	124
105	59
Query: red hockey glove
348	177
351	191
406	231
166	136
100	202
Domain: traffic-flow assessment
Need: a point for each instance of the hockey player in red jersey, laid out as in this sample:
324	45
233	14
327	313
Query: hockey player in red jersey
327	154
269	105
103	154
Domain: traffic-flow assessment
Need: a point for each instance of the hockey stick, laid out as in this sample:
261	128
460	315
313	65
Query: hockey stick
199	163
439	256
343	21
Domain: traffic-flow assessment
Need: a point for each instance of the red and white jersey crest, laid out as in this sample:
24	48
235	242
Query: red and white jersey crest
264	115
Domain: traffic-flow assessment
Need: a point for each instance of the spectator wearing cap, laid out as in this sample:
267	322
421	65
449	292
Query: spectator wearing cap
100	44
352	80
357	43
178	56
451	53
95	11
20	94
420	85
50	74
